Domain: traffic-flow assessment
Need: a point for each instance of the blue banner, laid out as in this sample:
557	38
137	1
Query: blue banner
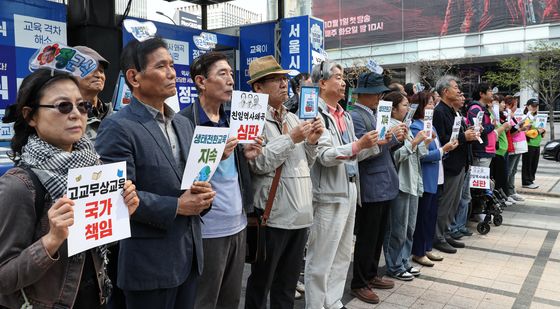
255	41
185	45
24	27
302	40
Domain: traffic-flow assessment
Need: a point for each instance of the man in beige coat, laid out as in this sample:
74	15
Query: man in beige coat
290	148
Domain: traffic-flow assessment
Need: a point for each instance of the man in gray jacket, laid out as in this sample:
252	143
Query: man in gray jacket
290	151
335	192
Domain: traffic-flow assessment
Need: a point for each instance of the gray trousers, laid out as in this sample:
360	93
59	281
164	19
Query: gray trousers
513	162
448	202
219	286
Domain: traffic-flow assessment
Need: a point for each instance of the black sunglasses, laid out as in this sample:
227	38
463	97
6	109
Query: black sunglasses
66	107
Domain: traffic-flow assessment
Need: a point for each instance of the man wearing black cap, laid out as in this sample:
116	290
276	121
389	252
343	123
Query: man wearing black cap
371	217
90	87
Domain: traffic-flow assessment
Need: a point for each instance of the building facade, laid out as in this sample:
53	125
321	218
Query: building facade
225	15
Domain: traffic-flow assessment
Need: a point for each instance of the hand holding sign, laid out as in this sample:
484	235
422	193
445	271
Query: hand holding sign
61	217
195	200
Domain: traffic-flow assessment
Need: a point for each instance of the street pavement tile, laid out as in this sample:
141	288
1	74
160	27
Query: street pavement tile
358	304
488	305
470	293
479	281
409	290
436	296
547	294
497	299
424	303
390	306
507	286
537	305
401	299
555	254
463	302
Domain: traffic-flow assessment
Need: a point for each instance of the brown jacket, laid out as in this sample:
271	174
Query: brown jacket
24	262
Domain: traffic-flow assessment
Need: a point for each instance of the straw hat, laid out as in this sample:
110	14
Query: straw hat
264	66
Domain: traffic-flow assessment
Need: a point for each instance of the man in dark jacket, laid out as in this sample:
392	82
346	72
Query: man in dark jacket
455	162
161	261
375	195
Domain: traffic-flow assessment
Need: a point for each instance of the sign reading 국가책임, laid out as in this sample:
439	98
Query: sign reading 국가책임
100	214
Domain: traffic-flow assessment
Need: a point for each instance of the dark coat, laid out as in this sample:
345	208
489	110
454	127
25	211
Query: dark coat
163	245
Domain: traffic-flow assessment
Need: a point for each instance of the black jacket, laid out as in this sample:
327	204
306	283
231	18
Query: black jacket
444	116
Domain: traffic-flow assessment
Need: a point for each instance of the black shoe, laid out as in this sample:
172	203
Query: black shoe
444	247
455	243
466	232
456	235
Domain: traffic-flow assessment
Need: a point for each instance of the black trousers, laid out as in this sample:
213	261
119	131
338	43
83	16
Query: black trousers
530	161
498	172
371	222
279	273
181	297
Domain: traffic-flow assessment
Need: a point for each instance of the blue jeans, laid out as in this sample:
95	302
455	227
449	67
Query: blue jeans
460	222
397	245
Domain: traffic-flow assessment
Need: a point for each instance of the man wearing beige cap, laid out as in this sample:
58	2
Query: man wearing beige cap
90	87
281	176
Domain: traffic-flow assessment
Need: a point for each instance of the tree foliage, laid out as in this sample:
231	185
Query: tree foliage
539	72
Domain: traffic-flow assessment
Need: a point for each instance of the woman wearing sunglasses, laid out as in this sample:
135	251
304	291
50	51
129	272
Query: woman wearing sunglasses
50	119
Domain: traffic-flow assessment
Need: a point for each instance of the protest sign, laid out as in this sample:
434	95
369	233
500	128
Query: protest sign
410	114
478	125
62	58
308	102
540	121
456	128
480	177
100	214
428	118
205	153
248	112
496	111
383	116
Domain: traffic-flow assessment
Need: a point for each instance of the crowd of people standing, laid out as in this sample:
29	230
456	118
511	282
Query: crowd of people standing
326	181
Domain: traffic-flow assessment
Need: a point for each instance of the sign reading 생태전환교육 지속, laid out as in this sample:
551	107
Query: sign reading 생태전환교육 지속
205	154
100	214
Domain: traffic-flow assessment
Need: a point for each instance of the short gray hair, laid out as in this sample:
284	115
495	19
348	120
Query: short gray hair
323	70
445	82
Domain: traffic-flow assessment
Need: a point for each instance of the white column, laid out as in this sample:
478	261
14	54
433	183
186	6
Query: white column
412	73
526	93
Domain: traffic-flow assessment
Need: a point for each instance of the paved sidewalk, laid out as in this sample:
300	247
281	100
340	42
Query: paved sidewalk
516	265
547	177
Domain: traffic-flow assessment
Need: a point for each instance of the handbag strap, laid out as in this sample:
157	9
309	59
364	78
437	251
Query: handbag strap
272	194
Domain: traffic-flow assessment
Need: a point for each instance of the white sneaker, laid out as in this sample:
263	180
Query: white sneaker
517	197
300	287
508	203
297	295
531	186
511	200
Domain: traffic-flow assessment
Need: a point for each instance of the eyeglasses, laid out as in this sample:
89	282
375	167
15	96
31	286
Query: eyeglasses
66	107
276	79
